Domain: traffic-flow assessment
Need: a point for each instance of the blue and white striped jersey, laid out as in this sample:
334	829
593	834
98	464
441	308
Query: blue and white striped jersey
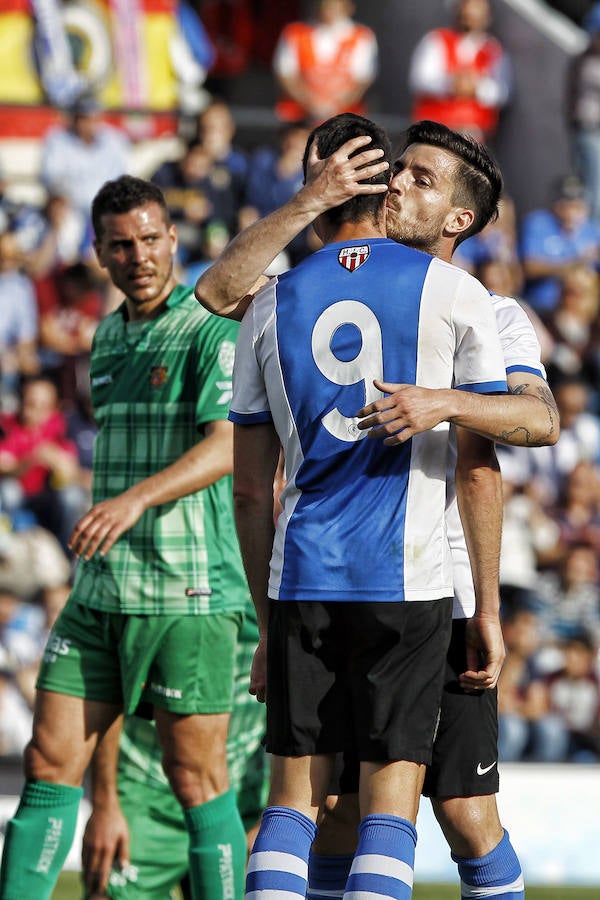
361	521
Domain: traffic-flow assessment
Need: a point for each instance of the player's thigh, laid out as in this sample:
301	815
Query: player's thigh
158	843
465	752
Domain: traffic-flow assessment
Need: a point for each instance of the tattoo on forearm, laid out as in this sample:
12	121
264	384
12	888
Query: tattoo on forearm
544	395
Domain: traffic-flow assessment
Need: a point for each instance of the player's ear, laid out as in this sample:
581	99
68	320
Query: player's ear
459	220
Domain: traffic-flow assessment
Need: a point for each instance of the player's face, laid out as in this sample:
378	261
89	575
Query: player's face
419	201
137	249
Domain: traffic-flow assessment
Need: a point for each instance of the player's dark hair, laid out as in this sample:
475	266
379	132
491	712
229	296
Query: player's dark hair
122	195
329	137
478	184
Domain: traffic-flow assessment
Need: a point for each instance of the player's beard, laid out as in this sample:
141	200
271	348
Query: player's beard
423	235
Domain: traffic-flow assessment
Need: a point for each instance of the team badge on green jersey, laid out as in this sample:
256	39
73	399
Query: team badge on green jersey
158	375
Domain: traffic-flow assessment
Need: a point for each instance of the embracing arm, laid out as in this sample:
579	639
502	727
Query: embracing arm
106	836
479	495
226	287
200	466
527	416
256	456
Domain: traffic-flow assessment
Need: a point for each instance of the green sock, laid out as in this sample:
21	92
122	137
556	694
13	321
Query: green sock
217	849
38	839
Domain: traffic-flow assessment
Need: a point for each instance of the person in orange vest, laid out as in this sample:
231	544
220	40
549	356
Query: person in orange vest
324	66
461	76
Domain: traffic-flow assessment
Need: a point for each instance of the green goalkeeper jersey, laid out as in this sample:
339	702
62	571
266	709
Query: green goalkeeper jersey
155	385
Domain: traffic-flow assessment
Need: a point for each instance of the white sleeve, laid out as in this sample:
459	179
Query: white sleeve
249	404
520	345
479	361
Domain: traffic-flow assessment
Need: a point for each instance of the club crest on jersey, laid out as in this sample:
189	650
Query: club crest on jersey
353	257
158	375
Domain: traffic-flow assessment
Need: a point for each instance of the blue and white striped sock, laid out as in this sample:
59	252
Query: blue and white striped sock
384	859
278	864
327	876
495	876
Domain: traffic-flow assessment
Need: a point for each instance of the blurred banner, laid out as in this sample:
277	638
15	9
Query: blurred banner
135	55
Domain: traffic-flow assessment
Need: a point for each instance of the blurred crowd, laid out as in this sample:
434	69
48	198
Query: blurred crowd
53	294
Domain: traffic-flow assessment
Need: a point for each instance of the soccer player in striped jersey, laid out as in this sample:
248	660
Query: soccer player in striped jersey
352	656
527	417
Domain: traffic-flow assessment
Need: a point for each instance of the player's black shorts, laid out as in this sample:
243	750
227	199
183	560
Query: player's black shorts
465	752
362	674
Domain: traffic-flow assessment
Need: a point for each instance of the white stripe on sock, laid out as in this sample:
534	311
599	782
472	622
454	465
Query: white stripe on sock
262	894
471	891
378	864
365	895
276	860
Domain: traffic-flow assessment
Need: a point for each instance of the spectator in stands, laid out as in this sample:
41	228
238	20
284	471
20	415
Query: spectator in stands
573	325
552	239
564	707
216	131
460	75
38	464
578	512
18	217
197	195
324	66
70	305
32	563
583	109
276	174
570	596
80	156
18	321
60	238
